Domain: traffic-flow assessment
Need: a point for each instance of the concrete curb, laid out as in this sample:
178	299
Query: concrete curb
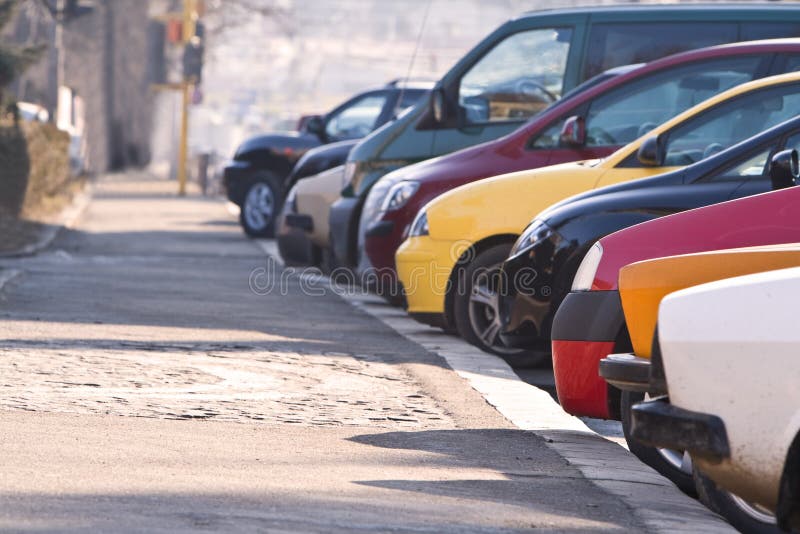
68	218
659	504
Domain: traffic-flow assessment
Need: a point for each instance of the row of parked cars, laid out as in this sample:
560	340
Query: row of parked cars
609	189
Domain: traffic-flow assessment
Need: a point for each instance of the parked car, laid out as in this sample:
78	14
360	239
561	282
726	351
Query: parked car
642	286
303	226
254	178
456	245
471	103
727	350
542	263
589	324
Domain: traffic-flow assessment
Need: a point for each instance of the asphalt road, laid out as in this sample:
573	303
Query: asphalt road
147	387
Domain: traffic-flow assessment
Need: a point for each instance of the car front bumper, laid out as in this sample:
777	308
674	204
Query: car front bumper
343	224
585	330
528	299
424	266
627	372
660	424
236	178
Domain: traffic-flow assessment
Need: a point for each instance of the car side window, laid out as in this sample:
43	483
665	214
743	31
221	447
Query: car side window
630	111
356	120
731	122
793	142
517	78
792	63
618	44
754	165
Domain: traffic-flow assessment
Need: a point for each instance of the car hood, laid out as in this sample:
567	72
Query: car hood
443	167
597	199
278	141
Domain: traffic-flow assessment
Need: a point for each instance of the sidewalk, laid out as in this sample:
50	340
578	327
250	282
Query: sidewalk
147	387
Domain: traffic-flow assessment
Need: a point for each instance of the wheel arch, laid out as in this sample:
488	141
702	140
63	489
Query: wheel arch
470	252
788	511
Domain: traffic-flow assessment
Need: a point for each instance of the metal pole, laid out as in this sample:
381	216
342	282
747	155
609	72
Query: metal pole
183	148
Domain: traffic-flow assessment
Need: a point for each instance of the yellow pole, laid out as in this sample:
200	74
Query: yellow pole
189	15
183	148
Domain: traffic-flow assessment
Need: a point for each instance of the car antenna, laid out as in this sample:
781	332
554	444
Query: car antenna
413	58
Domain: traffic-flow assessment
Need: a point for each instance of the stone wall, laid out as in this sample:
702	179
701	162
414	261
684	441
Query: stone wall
107	61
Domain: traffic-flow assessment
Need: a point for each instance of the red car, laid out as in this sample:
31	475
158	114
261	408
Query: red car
623	105
590	324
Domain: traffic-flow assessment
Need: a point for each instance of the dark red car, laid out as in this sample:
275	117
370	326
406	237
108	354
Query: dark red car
626	105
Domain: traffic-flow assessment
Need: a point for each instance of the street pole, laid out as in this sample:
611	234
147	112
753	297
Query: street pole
189	15
183	148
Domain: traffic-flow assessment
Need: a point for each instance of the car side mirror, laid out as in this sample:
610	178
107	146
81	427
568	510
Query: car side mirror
651	152
573	133
315	125
437	105
784	170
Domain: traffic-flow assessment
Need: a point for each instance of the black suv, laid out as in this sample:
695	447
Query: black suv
255	178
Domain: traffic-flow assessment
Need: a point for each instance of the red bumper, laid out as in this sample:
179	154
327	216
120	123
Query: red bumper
580	389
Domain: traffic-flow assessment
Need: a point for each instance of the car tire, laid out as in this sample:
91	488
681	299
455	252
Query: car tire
261	205
664	461
742	515
476	314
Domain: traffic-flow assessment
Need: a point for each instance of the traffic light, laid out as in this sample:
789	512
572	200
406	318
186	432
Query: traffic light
193	61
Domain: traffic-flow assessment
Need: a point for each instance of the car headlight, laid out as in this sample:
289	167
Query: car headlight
375	199
588	269
535	232
419	227
398	195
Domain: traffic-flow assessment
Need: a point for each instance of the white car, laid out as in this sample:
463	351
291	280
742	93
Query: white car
730	353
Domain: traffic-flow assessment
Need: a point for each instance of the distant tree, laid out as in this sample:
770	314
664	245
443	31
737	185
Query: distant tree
14	59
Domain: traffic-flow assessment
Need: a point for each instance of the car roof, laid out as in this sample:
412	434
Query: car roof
411	83
655	7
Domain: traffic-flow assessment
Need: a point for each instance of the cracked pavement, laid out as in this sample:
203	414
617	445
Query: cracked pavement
145	387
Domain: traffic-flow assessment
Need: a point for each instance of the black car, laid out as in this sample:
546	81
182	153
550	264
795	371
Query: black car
539	272
254	179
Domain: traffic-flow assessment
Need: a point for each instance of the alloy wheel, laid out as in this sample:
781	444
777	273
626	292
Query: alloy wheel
484	313
259	206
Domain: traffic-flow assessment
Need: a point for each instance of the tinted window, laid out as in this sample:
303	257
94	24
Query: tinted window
731	122
356	120
517	78
792	63
631	110
753	165
612	45
793	142
768	30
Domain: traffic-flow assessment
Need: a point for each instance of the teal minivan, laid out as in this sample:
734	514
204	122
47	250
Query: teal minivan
528	63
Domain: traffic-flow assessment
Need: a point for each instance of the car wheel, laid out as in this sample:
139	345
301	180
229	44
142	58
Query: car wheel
476	312
262	203
744	516
673	464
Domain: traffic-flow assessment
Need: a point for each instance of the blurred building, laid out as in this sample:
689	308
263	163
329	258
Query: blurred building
95	77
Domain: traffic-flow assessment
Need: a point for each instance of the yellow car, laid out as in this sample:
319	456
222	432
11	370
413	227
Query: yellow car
642	286
459	240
